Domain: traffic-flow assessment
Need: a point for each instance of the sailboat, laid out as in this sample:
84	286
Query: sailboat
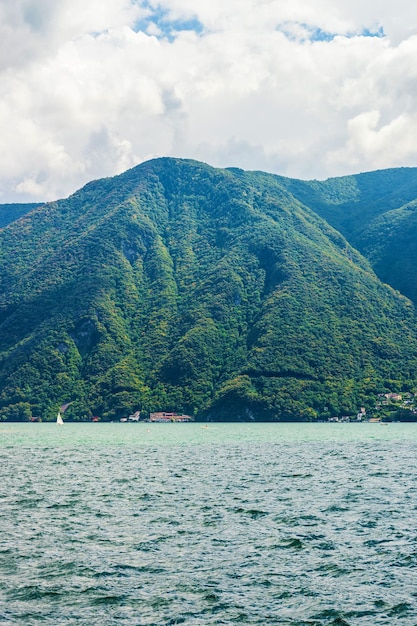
59	419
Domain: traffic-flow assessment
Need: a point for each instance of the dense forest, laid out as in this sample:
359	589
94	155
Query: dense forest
377	213
223	294
11	212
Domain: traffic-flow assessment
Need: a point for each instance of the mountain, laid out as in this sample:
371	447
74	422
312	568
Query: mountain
377	213
11	212
178	286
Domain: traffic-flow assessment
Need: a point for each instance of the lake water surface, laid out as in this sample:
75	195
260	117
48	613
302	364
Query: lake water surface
163	524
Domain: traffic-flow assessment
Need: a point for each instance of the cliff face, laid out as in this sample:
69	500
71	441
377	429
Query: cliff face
177	286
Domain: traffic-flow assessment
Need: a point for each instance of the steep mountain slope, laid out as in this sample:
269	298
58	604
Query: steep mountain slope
351	203
11	212
376	212
182	287
389	242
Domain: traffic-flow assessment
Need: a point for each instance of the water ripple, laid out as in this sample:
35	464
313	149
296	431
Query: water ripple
211	527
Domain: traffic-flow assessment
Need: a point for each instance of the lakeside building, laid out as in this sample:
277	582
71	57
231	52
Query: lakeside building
164	416
134	417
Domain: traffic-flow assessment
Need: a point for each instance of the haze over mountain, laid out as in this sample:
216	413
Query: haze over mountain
221	293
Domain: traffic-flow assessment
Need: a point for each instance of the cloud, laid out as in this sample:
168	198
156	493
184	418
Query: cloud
345	17
35	29
369	139
306	89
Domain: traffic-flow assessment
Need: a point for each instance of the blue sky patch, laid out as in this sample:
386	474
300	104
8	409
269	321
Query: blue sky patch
373	33
310	33
167	26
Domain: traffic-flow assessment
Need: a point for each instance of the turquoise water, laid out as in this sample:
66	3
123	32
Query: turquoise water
163	524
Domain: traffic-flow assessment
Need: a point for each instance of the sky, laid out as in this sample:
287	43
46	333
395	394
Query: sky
302	88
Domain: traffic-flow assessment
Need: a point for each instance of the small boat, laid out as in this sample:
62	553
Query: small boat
59	419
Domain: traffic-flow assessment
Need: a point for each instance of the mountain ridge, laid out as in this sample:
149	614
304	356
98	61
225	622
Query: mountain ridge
178	286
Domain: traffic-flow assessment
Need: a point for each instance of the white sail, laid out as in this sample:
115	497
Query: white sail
59	419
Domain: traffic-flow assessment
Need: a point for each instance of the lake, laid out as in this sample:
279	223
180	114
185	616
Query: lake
163	524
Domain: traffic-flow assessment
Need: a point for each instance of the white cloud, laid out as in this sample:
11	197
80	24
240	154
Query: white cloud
32	29
377	143
88	89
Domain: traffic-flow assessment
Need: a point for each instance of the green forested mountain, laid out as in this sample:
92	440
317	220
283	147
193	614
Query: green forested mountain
11	212
178	286
390	244
377	213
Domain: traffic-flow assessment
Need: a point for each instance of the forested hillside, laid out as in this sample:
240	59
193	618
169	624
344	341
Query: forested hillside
11	212
178	286
377	213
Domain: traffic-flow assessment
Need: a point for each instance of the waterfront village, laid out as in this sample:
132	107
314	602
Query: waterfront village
160	416
389	407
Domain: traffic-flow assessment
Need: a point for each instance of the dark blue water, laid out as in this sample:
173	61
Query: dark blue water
234	524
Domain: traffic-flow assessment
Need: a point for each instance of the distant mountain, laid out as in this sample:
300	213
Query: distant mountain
214	292
390	244
11	212
377	213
